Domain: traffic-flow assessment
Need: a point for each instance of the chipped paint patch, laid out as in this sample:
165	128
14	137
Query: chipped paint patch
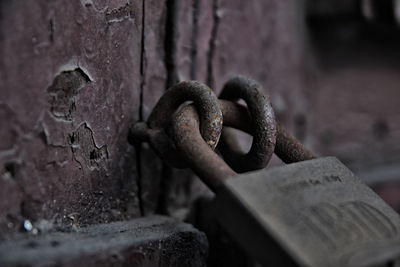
119	14
84	147
62	92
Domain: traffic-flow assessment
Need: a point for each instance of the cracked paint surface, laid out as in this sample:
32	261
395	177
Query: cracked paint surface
70	92
62	92
84	147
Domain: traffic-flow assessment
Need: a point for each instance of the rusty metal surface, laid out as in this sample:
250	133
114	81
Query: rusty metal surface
258	120
287	147
200	157
155	131
204	161
262	120
205	101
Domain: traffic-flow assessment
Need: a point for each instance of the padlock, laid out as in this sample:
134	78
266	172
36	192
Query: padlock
310	213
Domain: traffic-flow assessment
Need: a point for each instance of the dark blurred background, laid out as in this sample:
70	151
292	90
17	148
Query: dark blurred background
354	103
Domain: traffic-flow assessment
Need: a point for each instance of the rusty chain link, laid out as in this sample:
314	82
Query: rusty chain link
211	168
201	159
155	131
182	139
262	121
287	147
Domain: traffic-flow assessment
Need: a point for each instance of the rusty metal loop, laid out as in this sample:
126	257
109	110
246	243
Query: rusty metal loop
211	169
263	123
203	98
287	147
155	131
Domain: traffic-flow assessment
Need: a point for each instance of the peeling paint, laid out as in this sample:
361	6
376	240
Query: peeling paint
9	170
63	90
86	3
119	14
9	134
71	65
37	159
44	134
84	146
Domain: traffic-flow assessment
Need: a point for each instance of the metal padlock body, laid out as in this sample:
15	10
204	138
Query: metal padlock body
310	213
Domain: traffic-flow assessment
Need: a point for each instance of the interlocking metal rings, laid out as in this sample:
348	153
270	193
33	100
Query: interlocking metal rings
156	128
182	139
201	158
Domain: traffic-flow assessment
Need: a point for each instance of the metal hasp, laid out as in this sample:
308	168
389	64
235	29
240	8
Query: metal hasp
310	213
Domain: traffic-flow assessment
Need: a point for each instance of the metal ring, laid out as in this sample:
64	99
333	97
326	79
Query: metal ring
155	131
287	147
262	122
211	169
